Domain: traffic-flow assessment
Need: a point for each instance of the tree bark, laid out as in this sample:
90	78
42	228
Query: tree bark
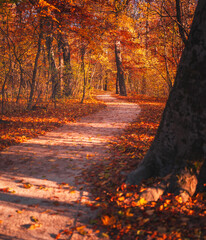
120	71
67	72
106	81
179	146
21	81
143	85
117	83
33	82
52	67
179	21
83	50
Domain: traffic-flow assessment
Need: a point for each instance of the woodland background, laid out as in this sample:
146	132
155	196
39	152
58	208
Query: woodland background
54	50
54	54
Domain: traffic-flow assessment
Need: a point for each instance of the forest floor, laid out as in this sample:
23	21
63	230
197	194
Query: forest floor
43	193
69	183
124	215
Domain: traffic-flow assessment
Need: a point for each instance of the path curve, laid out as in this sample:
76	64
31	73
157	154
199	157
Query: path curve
40	180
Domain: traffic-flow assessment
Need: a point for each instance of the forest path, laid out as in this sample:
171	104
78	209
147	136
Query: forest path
42	191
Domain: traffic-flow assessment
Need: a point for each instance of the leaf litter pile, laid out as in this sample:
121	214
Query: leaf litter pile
123	214
17	126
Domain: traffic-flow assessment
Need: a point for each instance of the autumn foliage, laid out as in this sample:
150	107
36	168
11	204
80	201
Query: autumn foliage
53	49
54	54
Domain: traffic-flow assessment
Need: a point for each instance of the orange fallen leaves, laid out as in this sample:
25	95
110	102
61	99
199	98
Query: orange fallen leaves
7	190
64	232
80	229
27	185
16	127
108	221
133	217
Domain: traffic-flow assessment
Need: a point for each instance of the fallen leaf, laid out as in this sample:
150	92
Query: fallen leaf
105	235
73	191
19	211
81	230
106	220
58	236
34	226
128	213
27	185
7	190
34	219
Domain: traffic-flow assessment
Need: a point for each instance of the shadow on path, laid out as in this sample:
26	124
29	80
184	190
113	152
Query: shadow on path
43	176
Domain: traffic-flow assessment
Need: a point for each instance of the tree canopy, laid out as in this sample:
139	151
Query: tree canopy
42	42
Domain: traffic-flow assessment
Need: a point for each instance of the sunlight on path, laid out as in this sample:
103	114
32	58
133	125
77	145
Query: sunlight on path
43	180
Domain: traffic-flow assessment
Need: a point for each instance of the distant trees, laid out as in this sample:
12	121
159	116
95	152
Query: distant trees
130	45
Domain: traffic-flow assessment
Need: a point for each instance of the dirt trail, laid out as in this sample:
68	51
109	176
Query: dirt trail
40	180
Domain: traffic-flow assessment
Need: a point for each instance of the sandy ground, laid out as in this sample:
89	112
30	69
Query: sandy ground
42	191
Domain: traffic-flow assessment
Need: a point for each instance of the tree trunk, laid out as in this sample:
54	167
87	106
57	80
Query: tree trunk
67	72
117	84
52	67
21	82
33	82
143	85
3	90
120	71
179	148
61	64
106	82
179	21
83	49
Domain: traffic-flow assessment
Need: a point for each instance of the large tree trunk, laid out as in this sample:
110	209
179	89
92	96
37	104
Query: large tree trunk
179	148
120	71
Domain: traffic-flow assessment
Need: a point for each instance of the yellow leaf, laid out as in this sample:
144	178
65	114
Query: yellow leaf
142	201
128	213
34	226
34	219
27	185
81	230
129	195
105	235
72	192
121	198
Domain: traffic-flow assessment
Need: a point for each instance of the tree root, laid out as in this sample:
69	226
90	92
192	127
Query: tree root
182	183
